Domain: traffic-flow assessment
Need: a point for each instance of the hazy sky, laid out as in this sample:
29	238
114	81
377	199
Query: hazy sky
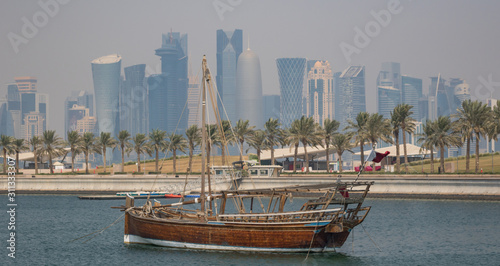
455	38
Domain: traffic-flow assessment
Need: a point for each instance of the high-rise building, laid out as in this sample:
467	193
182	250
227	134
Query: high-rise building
133	100
106	76
461	92
168	91
229	48
291	73
249	87
390	75
320	99
438	98
194	100
79	98
411	93
6	121
26	84
271	107
351	94
14	108
388	98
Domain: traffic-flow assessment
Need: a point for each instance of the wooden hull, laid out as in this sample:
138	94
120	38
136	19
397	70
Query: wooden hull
240	237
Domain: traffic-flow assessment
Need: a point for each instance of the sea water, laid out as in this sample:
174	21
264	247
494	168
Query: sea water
395	232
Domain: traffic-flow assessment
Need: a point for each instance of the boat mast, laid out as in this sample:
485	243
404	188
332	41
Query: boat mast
203	131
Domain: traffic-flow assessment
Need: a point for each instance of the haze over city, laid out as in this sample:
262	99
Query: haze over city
453	38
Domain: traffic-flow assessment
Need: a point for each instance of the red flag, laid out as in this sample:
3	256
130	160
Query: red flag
379	156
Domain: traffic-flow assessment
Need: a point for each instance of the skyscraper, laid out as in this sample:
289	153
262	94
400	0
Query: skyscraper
271	107
249	86
411	93
26	84
291	73
106	76
133	100
229	48
351	94
320	92
168	91
388	98
14	108
390	75
82	99
194	100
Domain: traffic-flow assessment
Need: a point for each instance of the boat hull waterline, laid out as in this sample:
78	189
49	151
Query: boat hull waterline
236	237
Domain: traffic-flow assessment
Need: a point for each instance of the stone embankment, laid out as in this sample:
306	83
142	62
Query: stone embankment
407	186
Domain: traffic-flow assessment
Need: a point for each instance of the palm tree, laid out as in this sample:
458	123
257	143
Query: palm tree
495	124
140	146
407	124
74	140
474	117
193	135
258	142
158	143
52	146
341	143
176	142
359	127
6	144
395	124
124	144
444	136
306	131
18	146
273	134
293	139
329	129
427	140
103	142
87	146
35	143
242	131
225	137
377	127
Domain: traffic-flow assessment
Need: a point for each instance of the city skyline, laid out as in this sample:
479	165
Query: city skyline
424	47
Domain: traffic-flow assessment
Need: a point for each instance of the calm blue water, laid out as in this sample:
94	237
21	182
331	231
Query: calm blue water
408	232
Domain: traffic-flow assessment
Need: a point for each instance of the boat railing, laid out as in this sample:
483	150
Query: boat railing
282	217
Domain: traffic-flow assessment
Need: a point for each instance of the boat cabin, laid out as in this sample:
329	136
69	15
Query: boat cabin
264	170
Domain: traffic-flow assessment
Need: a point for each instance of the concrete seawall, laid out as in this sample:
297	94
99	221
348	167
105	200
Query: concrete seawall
485	185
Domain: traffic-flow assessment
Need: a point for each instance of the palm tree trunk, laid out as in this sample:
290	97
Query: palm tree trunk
123	160
467	156
4	161
307	159
35	156
327	159
138	162
432	161
156	159
258	154
223	154
241	150
175	157
86	163
340	162
17	162
104	158
398	153
477	152
72	161
441	159
404	151
361	149
272	155
295	158
190	164
50	163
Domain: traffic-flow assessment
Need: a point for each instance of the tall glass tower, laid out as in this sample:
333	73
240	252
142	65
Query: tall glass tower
168	91
133	100
388	98
351	94
320	94
291	72
229	48
412	94
106	76
249	85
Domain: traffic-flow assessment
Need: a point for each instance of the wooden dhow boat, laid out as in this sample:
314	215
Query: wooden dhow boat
259	220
